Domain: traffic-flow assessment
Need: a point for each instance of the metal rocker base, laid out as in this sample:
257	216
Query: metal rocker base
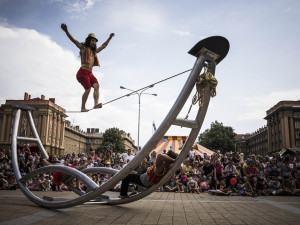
209	52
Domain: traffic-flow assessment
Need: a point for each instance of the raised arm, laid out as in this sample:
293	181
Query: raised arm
105	43
163	158
65	29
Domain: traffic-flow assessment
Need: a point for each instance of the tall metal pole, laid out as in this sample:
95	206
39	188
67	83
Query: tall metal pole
139	116
139	121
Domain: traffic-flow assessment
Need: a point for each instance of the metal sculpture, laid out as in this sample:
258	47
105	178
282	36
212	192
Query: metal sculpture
209	53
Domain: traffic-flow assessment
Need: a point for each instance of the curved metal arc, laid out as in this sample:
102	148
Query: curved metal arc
35	134
182	156
64	169
165	125
147	148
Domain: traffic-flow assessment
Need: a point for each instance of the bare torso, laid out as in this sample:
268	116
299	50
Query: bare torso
86	64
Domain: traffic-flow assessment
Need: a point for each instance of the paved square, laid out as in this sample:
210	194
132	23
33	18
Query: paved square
157	208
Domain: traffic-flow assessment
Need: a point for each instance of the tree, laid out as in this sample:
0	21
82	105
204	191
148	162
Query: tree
218	137
113	138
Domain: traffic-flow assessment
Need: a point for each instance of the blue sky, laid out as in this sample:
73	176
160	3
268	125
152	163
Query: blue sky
151	43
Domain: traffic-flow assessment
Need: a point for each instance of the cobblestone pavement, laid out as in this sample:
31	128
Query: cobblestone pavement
157	208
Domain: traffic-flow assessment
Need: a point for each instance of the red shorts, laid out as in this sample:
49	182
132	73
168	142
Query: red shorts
86	78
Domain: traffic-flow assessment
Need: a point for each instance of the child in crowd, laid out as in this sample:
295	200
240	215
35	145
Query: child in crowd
204	185
192	186
171	184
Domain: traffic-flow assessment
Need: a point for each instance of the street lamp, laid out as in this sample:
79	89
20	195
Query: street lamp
139	93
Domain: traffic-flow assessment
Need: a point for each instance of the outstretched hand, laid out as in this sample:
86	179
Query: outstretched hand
111	35
64	27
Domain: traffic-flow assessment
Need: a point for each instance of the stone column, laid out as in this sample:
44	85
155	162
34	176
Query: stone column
287	132
2	129
283	141
292	132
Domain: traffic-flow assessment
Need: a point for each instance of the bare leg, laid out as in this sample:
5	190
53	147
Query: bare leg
96	96
84	99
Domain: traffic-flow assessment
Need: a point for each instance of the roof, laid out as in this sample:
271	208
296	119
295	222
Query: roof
175	143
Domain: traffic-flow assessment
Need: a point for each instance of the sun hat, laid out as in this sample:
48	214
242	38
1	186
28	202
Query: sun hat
92	35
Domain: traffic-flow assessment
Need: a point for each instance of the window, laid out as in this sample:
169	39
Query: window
297	135
35	121
296	114
297	124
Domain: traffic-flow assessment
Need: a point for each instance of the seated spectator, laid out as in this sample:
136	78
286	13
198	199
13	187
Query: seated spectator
171	185
103	179
34	185
204	185
251	171
208	171
192	186
273	169
261	187
245	188
229	172
117	166
218	171
286	169
180	180
3	182
274	186
47	183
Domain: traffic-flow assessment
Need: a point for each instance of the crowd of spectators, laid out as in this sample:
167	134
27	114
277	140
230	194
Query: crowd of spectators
224	174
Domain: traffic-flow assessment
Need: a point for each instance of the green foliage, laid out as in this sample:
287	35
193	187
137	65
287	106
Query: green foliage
113	138
218	137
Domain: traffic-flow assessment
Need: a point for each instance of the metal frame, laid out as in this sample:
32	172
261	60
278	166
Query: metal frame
204	58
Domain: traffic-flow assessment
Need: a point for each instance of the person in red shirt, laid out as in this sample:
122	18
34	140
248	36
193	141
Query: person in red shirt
218	171
251	171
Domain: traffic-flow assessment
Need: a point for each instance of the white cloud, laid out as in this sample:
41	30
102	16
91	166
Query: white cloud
32	62
181	33
76	6
258	105
138	15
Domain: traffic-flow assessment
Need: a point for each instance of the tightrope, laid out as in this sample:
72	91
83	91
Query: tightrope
149	86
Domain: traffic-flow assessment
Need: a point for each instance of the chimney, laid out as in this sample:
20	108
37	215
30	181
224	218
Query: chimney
52	100
29	97
26	96
43	97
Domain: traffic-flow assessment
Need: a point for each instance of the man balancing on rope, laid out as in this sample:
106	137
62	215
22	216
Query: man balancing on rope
153	174
88	54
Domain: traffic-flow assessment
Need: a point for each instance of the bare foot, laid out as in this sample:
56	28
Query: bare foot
98	106
84	110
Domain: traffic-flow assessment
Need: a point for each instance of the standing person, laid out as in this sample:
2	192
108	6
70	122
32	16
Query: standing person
153	174
88	54
218	171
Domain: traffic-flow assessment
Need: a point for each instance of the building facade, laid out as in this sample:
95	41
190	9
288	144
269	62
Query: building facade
241	144
48	118
257	142
129	143
282	131
284	125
